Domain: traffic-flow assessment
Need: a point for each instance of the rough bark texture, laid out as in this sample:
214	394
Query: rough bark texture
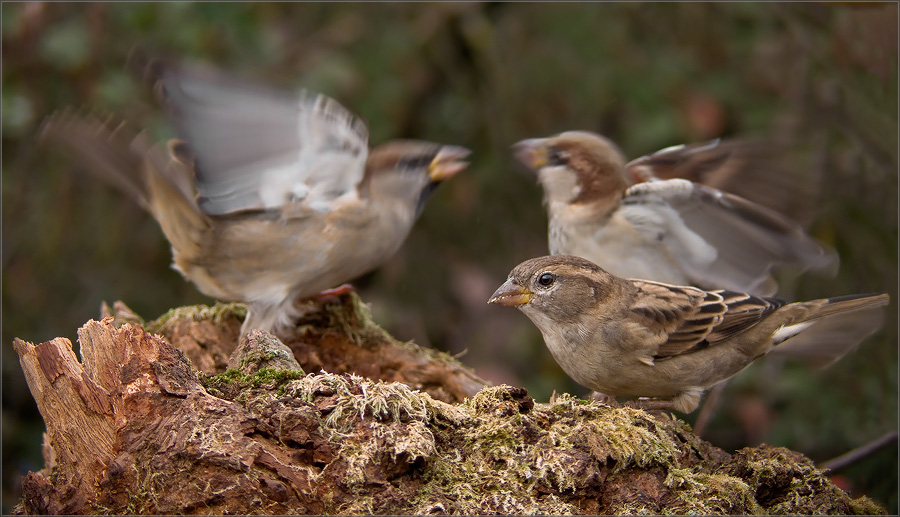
142	426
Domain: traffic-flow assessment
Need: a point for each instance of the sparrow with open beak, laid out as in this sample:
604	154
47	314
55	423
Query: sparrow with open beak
669	343
268	197
673	231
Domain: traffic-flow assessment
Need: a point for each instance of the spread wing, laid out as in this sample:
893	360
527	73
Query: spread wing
753	170
255	148
691	319
747	239
694	162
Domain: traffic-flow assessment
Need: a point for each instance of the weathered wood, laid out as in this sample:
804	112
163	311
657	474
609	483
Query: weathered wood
81	425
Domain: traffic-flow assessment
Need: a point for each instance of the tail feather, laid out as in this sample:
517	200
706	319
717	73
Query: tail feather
837	326
850	303
112	151
129	161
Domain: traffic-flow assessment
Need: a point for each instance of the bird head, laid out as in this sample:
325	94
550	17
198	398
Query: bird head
575	166
408	171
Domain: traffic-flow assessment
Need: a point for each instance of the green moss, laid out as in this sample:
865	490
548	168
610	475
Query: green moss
357	322
786	482
499	452
710	494
229	376
271	376
257	358
370	422
865	506
634	508
508	469
216	314
630	436
232	382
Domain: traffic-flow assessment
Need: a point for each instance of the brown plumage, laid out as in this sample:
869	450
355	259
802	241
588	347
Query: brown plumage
267	196
672	231
639	338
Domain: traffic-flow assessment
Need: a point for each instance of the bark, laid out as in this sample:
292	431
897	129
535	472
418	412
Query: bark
140	425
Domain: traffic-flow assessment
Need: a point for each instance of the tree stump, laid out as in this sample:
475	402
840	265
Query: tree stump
181	421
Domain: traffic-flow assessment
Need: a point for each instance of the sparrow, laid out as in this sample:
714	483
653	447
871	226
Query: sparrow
666	343
674	231
267	197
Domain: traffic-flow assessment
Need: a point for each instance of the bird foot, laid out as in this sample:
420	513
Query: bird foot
332	295
609	400
685	402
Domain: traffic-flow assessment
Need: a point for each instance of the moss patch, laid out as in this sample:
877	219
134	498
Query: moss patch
217	313
397	450
233	382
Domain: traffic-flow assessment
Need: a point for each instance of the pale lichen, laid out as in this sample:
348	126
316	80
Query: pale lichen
216	314
702	493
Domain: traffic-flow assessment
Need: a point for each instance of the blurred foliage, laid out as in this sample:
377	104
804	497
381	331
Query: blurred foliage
822	76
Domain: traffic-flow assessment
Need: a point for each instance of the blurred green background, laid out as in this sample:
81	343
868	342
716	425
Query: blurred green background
648	75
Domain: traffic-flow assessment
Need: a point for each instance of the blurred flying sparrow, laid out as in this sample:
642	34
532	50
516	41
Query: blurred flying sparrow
647	339
269	196
673	231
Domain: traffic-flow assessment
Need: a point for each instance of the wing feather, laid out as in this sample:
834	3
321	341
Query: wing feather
748	239
692	319
686	314
257	148
752	169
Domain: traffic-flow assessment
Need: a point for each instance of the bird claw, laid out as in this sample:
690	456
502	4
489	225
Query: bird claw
329	295
609	400
337	292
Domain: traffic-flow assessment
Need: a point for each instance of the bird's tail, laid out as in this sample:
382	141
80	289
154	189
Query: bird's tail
113	152
833	327
109	149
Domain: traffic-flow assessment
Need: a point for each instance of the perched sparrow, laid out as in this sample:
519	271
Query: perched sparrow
673	231
270	196
647	339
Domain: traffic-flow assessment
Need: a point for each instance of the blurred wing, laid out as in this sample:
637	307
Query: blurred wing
748	238
694	162
753	170
256	148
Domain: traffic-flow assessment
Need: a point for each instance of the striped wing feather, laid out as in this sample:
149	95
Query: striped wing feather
694	319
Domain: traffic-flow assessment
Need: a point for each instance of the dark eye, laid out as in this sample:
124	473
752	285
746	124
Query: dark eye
547	279
415	162
556	156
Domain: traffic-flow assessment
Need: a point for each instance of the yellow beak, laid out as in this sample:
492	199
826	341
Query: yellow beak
511	294
447	163
532	152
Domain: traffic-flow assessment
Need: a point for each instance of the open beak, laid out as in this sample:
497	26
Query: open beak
511	294
447	163
532	152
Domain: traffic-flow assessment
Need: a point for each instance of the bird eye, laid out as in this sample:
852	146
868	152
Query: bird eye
546	279
414	162
556	156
